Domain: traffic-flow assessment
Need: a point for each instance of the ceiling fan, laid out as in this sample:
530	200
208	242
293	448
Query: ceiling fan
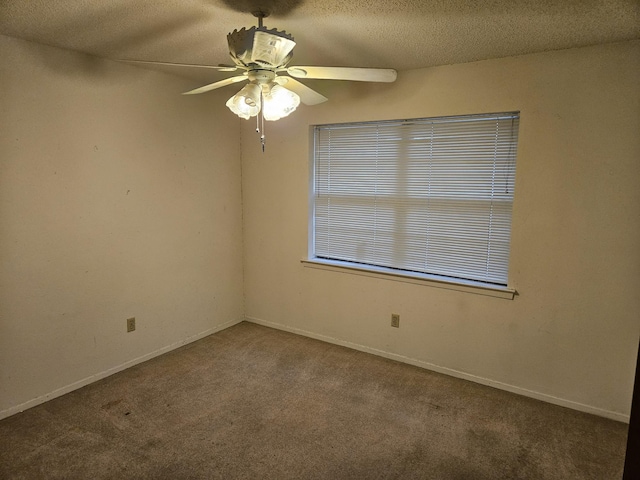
272	90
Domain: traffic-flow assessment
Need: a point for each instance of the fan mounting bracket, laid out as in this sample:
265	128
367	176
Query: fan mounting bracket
261	14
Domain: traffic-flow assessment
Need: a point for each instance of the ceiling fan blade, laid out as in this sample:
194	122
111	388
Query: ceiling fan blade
221	68
213	86
307	95
344	73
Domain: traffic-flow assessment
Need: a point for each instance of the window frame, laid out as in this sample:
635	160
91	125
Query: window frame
390	273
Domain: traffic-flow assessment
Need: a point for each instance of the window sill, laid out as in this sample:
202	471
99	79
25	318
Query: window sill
416	279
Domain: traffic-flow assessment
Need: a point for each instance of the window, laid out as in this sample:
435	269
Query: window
426	197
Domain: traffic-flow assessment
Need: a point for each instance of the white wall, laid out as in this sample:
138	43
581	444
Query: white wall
571	335
118	198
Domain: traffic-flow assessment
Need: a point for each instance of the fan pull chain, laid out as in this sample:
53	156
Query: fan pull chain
262	137
259	130
260	119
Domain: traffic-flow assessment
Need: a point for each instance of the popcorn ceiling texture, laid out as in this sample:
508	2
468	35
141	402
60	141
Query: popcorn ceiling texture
400	34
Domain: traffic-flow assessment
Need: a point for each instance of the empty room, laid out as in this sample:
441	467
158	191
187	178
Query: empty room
304	239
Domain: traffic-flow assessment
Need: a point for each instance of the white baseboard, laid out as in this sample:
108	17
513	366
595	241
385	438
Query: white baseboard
620	417
99	376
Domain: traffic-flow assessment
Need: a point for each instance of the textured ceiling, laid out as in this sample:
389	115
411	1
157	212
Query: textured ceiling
400	34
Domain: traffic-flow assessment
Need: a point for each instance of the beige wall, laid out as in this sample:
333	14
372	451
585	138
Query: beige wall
571	335
118	198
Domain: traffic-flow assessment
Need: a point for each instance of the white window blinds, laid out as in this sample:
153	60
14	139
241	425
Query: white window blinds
431	196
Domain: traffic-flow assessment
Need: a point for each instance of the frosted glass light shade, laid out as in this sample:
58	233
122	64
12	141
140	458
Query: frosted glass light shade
246	103
279	102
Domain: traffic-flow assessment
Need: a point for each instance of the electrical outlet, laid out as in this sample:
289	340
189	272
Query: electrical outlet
131	324
395	320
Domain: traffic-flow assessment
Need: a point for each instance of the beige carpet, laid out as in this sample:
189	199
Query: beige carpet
255	403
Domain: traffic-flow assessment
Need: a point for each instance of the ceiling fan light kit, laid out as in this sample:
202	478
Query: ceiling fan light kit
272	99
263	54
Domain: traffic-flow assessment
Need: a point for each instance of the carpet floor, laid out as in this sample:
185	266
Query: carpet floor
251	402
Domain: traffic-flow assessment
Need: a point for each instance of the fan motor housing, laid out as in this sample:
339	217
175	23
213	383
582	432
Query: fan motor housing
261	76
260	47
